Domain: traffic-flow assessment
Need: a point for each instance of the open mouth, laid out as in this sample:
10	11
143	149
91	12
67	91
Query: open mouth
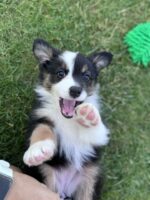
68	107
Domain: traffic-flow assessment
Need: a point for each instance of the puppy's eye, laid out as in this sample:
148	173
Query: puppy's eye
87	76
60	74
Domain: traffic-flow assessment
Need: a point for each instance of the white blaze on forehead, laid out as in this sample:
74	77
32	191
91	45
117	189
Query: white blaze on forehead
62	88
69	58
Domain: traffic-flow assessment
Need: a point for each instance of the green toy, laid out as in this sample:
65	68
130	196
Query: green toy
138	42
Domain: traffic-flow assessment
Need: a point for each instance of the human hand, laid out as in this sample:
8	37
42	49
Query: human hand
25	187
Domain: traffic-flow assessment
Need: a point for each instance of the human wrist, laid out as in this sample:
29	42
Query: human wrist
14	191
6	178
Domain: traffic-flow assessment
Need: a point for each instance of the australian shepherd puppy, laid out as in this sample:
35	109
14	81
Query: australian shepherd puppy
66	129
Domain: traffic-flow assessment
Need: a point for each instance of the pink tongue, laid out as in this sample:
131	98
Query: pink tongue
68	107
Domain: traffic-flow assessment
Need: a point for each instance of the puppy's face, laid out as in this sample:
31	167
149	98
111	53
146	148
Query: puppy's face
69	76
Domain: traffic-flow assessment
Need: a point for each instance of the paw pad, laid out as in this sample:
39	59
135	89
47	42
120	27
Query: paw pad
87	115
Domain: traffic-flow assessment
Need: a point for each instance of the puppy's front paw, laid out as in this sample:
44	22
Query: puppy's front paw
39	152
87	115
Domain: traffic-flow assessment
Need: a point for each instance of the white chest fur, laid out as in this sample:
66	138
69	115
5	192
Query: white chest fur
74	142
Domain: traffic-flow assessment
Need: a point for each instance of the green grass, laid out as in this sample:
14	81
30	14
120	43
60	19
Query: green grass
85	26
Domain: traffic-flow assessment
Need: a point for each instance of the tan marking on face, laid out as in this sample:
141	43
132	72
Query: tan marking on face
84	68
86	188
46	82
91	88
41	132
64	66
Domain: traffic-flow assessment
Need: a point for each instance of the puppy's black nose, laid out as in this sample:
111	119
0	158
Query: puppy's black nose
75	91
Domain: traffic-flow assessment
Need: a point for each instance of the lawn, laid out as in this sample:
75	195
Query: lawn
84	26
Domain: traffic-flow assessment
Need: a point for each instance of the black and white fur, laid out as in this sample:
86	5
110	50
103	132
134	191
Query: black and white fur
68	161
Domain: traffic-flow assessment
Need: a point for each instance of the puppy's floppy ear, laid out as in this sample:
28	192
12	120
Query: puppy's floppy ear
43	51
101	59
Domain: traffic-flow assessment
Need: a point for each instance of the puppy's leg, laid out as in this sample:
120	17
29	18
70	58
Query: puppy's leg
49	176
87	190
42	146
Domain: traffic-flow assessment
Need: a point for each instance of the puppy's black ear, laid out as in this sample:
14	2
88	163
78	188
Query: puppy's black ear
43	51
101	59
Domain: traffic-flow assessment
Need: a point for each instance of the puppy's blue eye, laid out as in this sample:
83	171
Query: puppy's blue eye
87	76
60	74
